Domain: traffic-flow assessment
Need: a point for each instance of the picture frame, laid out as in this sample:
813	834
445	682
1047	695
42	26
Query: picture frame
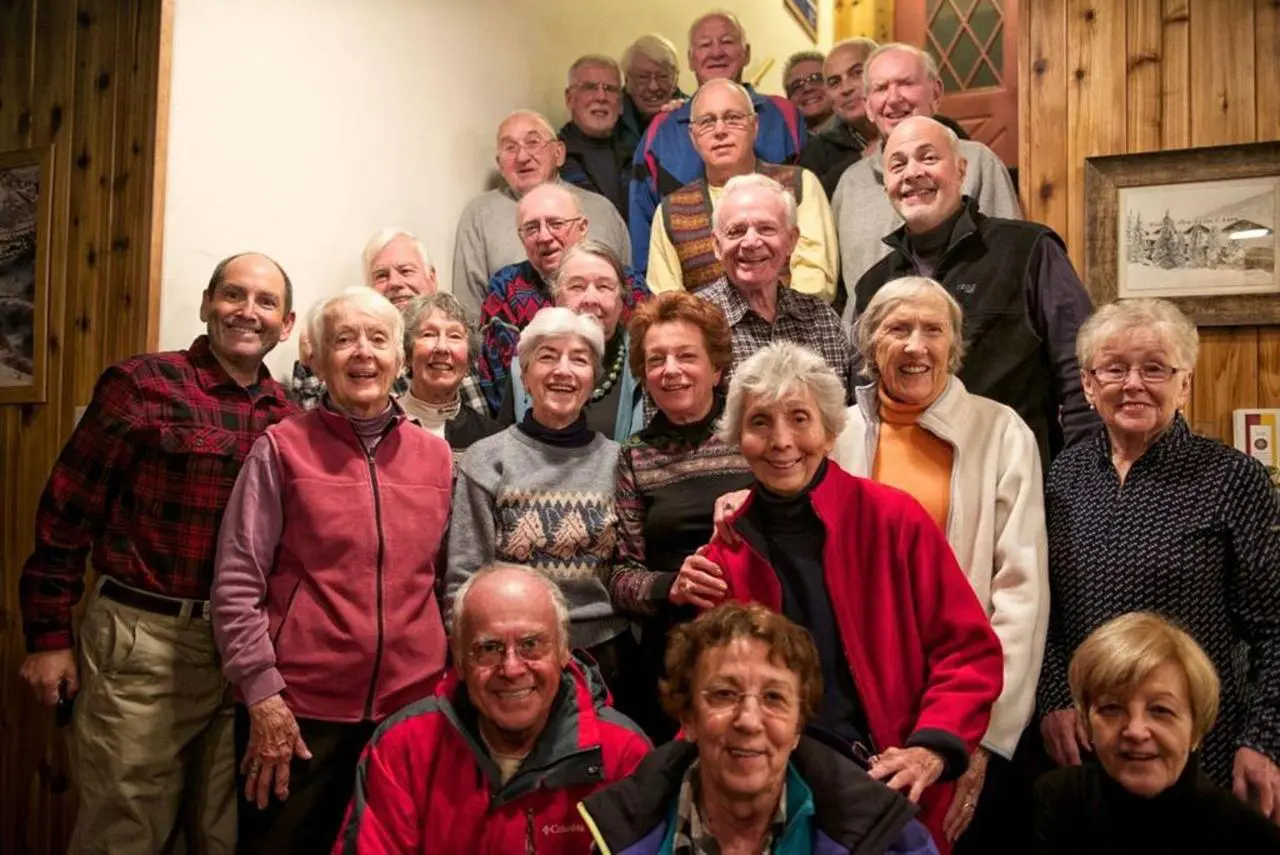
806	12
1198	227
26	195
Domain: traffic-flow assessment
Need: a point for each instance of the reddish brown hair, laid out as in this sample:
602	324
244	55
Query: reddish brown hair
672	306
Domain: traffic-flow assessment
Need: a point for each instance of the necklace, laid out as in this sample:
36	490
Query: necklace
611	378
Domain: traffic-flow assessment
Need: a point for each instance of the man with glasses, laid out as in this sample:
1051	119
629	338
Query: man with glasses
652	70
1023	303
666	160
594	159
805	85
722	126
528	154
548	220
840	142
498	757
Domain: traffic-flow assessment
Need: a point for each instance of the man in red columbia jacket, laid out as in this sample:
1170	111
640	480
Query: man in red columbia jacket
497	759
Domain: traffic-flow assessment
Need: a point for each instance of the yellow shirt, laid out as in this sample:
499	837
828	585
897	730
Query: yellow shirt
814	262
912	459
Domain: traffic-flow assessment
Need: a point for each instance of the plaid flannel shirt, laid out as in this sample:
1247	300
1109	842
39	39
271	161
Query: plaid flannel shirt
516	293
801	318
142	482
307	389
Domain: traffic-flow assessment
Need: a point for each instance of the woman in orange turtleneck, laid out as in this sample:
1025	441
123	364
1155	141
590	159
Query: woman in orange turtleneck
973	464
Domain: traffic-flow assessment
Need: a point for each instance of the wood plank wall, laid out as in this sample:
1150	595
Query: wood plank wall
1125	76
89	77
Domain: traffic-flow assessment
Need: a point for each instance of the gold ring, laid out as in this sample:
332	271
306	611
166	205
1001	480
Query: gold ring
255	768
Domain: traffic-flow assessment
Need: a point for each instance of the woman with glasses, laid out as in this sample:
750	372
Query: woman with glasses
1147	516
743	682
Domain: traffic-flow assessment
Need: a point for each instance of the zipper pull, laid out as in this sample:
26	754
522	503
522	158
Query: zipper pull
530	845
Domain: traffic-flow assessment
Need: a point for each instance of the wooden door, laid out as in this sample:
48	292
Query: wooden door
975	43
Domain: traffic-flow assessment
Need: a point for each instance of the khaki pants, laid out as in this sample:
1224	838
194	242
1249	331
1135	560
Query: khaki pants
153	743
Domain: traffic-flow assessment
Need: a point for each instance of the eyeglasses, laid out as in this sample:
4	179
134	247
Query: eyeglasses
510	149
556	225
491	654
773	703
733	120
815	79
593	87
1150	372
660	78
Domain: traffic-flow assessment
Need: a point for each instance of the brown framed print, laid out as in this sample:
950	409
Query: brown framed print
26	193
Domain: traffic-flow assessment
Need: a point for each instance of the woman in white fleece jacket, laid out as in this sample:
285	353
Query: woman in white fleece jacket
973	464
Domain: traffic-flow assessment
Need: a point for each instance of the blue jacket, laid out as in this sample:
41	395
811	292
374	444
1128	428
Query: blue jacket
666	160
833	808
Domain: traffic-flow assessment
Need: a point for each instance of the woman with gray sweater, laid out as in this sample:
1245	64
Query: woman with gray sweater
541	492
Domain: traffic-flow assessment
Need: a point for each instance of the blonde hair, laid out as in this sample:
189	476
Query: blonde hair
1159	315
906	289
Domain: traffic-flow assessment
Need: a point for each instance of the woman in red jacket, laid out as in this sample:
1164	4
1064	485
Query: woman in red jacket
910	666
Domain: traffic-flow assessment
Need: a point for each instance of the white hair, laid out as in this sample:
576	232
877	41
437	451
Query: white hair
777	371
594	60
904	291
724	83
379	242
799	57
718	13
550	187
927	62
458	605
535	116
558	322
655	48
364	301
754	180
862	43
1161	316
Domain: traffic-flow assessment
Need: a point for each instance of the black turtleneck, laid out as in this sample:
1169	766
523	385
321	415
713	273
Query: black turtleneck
575	435
599	159
927	247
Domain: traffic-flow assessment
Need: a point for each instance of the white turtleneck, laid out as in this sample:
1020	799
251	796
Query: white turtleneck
433	417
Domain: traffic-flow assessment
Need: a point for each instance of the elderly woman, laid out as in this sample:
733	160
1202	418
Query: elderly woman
324	607
1146	695
910	664
589	281
439	339
1145	515
540	493
743	682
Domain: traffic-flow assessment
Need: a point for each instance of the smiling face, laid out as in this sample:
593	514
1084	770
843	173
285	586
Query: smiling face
440	358
899	87
359	362
1143	739
549	221
743	750
716	50
784	441
752	239
559	379
594	100
678	373
589	286
843	69
527	154
725	146
912	347
806	89
1136	410
923	176
399	273
245	313
650	84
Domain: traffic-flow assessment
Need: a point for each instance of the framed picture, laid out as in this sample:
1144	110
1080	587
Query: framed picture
25	196
806	12
1196	226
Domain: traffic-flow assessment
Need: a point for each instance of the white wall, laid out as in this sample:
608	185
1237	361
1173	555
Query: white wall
300	127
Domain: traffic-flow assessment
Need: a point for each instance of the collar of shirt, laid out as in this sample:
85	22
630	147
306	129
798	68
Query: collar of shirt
735	305
211	375
692	837
1174	437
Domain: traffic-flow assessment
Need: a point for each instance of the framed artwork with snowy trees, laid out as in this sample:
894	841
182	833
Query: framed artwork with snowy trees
25	194
1195	226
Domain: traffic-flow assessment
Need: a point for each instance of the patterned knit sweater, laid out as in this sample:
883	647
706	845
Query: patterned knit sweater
1193	534
524	501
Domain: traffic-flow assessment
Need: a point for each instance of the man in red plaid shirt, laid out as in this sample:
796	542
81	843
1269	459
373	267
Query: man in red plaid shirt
142	484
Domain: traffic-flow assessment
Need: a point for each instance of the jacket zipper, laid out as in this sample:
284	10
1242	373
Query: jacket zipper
530	845
377	516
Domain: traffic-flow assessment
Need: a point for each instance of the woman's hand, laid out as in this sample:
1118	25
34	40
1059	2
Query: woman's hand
965	802
1064	735
726	511
910	770
699	582
1257	772
273	741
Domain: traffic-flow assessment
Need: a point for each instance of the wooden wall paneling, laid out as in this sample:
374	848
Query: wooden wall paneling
1266	77
1144	64
16	48
1226	378
1043	112
1269	366
1175	75
1222	83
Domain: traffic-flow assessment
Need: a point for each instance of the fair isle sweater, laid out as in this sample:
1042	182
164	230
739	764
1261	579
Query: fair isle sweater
523	501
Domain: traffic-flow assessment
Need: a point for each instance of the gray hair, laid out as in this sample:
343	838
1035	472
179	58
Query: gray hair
899	292
562	190
777	371
542	121
655	48
718	13
558	322
596	248
379	242
799	57
421	308
458	605
725	83
1163	317
365	301
862	43
594	60
747	182
927	62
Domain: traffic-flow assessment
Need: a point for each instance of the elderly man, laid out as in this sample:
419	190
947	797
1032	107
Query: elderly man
529	154
652	69
1023	302
549	220
594	157
666	160
841	141
497	759
723	128
141	484
902	81
755	234
805	84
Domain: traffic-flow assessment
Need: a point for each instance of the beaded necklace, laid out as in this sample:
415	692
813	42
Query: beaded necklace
612	377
